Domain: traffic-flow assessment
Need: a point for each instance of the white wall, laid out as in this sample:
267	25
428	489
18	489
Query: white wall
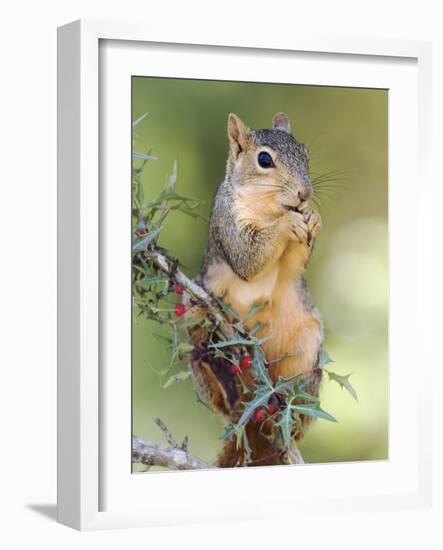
28	223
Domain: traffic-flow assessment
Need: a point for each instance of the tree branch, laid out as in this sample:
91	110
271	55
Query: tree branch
173	458
178	458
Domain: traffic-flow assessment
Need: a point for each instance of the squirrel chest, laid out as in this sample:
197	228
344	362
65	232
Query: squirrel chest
293	331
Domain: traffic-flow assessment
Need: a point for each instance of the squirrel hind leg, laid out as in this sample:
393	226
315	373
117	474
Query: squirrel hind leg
217	384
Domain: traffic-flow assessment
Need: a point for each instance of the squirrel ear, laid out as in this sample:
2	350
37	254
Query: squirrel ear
237	133
281	122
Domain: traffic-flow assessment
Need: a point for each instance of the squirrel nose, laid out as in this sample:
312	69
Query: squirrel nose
305	194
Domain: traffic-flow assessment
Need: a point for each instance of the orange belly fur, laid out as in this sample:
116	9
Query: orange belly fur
291	329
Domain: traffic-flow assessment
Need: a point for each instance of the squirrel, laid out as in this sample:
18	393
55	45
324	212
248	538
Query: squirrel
261	235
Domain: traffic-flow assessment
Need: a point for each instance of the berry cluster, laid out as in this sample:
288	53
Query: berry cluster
261	413
245	363
180	309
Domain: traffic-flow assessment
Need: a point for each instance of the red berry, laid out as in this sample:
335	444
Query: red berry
259	415
178	288
180	310
272	408
245	362
235	369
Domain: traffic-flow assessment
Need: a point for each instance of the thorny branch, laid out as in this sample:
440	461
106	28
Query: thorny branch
162	262
174	456
177	457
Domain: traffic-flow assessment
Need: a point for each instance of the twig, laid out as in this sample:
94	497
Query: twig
294	454
173	458
167	433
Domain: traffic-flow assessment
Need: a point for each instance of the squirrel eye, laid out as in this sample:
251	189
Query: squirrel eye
265	160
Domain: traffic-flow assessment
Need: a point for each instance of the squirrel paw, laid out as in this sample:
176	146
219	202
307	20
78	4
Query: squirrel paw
313	222
299	227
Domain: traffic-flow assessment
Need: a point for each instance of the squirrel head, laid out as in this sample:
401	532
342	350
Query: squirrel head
269	167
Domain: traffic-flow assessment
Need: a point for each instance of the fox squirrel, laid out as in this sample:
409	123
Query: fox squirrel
261	235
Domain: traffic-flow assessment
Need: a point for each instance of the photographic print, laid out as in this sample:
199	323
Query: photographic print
259	274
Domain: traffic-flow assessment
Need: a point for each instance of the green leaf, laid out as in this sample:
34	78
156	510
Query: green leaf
140	269
140	194
343	381
138	120
141	244
171	180
262	373
227	308
179	377
285	385
154	281
254	329
143	156
285	424
190	321
229	433
298	393
246	445
324	358
256	308
171	195
184	348
261	399
314	411
237	342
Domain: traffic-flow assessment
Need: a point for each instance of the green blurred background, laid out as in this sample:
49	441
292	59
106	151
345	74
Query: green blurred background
346	131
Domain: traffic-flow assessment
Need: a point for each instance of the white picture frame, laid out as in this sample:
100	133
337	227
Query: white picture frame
95	492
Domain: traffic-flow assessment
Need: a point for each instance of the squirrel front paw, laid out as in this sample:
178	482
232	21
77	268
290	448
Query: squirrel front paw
305	225
298	226
313	221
